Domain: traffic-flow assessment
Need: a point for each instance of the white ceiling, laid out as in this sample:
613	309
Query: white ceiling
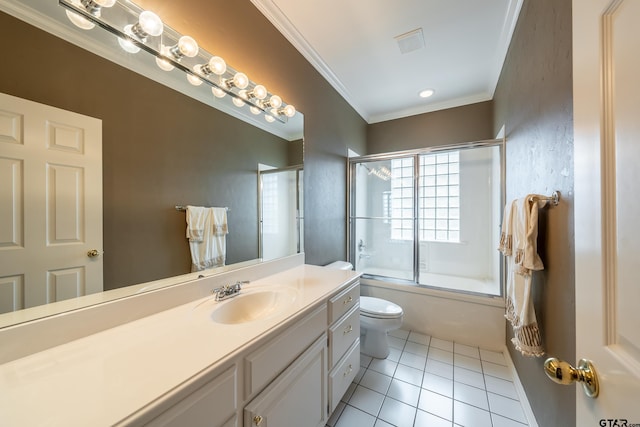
352	44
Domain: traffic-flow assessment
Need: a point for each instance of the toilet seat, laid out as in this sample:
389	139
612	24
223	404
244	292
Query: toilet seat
379	309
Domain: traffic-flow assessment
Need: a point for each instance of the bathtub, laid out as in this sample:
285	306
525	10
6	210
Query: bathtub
440	281
471	318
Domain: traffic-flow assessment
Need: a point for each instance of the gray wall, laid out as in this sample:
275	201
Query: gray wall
461	124
534	102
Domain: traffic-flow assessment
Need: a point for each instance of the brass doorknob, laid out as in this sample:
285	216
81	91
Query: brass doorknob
93	253
562	372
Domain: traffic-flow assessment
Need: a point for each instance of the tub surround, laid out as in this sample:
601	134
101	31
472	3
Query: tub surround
105	377
470	319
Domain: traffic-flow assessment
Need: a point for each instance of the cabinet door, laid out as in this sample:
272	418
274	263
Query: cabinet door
212	405
298	397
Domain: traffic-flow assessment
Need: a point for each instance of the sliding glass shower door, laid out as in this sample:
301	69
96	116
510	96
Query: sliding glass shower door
429	217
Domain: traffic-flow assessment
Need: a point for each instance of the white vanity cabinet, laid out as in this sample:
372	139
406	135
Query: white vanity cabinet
294	376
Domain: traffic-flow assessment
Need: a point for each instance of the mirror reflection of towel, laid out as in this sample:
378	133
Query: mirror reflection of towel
206	230
196	216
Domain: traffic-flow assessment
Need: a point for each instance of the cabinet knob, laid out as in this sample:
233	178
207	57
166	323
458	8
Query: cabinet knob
257	420
348	371
348	300
347	330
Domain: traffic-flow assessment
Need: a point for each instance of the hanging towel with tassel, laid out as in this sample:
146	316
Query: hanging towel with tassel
206	230
518	243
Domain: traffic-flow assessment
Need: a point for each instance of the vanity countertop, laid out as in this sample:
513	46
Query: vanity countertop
103	378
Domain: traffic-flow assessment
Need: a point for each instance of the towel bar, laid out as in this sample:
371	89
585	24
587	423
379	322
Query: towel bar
554	199
181	208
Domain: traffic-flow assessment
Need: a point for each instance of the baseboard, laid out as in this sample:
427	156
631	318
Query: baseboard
522	396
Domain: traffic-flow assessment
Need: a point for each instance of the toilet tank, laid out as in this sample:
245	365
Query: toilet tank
340	265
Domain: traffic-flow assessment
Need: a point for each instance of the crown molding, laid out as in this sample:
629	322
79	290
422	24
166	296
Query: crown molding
279	20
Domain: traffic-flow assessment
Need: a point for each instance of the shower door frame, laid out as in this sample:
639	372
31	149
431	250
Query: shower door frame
351	217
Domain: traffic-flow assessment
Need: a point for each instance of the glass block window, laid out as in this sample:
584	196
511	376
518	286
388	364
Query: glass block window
402	198
439	197
269	203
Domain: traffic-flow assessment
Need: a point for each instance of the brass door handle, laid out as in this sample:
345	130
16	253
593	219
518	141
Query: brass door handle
93	253
563	373
257	420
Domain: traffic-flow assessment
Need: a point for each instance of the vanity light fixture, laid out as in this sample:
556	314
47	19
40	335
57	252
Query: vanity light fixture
173	50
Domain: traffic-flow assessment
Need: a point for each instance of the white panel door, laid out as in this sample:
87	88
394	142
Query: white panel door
606	59
50	204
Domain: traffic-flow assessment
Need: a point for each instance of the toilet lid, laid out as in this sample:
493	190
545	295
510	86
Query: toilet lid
377	307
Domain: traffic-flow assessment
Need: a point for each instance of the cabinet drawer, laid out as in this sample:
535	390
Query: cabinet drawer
264	365
212	404
343	333
343	374
343	302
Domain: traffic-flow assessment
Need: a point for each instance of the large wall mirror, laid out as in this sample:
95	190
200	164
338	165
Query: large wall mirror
164	143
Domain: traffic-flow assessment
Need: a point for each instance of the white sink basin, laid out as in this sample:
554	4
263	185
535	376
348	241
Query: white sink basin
253	306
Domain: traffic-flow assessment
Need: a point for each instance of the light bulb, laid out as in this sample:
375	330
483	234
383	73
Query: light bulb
240	80
149	24
77	19
94	6
238	102
194	80
243	94
164	63
269	118
289	110
105	3
217	65
186	46
255	110
275	101
258	92
127	45
217	92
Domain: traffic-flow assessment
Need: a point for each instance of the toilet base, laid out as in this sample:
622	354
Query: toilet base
375	344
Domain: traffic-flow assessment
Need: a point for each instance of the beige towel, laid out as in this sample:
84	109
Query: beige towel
518	243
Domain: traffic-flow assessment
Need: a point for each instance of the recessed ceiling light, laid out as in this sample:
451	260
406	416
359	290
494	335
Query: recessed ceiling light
426	93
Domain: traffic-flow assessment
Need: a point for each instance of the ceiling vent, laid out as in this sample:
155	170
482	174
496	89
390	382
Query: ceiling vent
411	41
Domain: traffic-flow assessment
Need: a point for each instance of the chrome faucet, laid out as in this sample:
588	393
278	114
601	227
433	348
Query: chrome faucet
228	291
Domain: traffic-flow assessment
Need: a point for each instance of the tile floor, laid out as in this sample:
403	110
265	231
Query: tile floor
427	381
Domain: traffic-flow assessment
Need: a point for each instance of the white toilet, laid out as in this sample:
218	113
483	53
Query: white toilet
377	318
